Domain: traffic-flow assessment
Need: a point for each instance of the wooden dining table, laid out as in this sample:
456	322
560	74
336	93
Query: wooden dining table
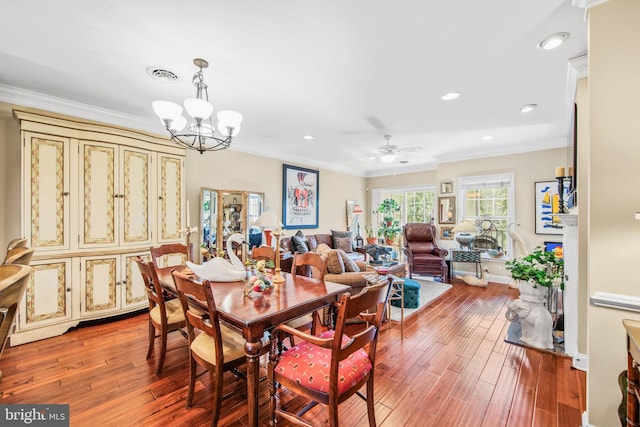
256	313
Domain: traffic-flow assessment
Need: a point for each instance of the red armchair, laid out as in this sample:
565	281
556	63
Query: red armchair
423	255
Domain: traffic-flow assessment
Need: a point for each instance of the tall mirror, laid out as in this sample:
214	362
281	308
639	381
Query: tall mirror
225	212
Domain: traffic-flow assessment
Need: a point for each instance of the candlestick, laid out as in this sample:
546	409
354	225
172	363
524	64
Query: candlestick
559	171
188	221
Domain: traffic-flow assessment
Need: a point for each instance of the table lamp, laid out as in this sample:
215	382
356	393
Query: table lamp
270	220
357	211
463	234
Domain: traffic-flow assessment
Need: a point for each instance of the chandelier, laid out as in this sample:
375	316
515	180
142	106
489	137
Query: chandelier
199	134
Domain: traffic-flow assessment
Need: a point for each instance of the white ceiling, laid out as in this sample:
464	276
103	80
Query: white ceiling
345	71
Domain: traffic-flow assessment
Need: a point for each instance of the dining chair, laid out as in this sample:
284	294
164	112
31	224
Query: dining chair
19	255
333	366
315	266
165	315
169	255
266	253
13	284
16	243
213	345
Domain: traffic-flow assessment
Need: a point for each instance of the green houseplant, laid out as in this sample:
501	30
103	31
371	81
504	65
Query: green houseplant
389	226
540	268
371	236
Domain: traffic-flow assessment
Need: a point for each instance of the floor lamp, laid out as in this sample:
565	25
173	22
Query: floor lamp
268	219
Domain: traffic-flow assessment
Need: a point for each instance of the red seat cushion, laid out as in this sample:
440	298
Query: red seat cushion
308	365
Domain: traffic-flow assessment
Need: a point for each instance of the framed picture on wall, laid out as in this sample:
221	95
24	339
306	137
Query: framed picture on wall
446	232
300	196
547	206
446	187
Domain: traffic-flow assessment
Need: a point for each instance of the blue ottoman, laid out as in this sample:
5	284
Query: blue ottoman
411	295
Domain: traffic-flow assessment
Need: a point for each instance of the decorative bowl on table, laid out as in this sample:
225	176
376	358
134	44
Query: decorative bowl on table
495	254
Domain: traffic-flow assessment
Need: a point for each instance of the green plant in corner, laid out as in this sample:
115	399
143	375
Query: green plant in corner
370	232
389	227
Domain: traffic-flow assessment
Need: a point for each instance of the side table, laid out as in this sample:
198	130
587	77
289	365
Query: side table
467	256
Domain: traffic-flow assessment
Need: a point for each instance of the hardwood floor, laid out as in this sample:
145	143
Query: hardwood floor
452	369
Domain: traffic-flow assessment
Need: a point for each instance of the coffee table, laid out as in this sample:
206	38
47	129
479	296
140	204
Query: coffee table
398	270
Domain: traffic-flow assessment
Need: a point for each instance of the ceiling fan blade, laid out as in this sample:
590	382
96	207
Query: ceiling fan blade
411	149
376	123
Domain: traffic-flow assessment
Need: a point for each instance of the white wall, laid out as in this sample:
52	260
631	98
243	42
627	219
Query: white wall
614	193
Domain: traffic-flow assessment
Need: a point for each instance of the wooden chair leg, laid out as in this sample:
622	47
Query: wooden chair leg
371	411
217	397
152	337
192	380
163	350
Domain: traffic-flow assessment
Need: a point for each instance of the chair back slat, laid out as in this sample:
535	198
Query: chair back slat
154	290
17	243
317	263
169	255
20	255
193	297
266	253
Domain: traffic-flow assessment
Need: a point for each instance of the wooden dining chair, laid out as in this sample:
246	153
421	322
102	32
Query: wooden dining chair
315	266
266	253
13	284
16	243
19	255
333	366
213	345
315	262
164	315
169	255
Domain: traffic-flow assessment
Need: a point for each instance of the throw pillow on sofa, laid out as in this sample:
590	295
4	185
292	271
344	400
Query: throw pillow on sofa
342	243
323	250
299	243
349	264
335	265
340	235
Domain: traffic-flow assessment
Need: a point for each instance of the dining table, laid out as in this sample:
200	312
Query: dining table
258	312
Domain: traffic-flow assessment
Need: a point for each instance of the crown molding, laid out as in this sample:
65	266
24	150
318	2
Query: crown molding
586	4
26	98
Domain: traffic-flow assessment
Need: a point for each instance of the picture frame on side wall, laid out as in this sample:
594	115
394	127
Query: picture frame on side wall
300	197
446	232
547	202
446	187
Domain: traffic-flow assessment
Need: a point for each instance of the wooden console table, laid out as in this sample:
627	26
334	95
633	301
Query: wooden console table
633	376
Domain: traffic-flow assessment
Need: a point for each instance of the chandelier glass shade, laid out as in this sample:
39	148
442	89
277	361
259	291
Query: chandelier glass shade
200	133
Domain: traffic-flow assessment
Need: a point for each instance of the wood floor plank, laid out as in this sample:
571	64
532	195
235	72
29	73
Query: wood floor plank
453	368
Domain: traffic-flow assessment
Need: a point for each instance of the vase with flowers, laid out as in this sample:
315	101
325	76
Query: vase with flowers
540	274
540	268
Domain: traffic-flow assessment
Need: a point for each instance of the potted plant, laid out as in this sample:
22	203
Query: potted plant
539	268
371	237
389	226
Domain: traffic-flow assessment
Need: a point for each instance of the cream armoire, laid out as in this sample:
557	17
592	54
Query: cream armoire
93	198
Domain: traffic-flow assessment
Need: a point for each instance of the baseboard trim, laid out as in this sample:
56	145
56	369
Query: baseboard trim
581	361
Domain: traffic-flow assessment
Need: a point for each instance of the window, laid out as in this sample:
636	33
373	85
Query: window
417	204
488	201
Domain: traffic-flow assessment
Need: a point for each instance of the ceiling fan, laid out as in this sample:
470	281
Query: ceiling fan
389	152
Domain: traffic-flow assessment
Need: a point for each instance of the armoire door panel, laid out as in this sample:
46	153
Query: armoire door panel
135	204
170	198
47	298
47	192
98	221
99	279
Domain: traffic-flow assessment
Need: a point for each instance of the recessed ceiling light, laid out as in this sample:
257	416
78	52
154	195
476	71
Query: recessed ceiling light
486	138
450	96
527	108
308	137
553	41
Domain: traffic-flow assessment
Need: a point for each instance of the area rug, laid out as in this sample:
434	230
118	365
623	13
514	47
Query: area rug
429	290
